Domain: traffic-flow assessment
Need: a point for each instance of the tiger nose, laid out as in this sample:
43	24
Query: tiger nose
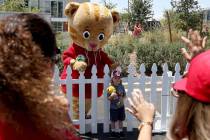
92	45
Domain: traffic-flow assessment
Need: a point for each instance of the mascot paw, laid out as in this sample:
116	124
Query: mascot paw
80	66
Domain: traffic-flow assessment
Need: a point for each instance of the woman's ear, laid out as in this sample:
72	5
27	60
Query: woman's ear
71	8
116	17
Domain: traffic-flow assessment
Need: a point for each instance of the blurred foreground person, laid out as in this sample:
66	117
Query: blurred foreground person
28	109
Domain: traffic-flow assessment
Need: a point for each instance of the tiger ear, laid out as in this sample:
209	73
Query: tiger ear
71	8
116	17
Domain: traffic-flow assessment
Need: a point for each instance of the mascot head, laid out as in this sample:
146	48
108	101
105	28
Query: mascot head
90	25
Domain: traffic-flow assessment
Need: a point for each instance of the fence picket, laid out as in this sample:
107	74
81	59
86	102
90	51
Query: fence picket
94	93
82	102
69	91
177	76
131	70
142	79
164	98
106	102
143	82
153	94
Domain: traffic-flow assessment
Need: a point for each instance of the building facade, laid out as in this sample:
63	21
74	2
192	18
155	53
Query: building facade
54	8
206	16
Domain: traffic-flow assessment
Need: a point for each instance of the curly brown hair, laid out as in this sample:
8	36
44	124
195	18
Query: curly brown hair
27	45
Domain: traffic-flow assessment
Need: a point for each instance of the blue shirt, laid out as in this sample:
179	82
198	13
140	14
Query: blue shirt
118	101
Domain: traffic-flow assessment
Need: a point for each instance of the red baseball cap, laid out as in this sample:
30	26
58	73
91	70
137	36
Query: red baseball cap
197	82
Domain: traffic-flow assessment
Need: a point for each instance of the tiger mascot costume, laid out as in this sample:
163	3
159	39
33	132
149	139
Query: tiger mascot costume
90	26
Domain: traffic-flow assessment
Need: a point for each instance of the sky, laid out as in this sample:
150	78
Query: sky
159	6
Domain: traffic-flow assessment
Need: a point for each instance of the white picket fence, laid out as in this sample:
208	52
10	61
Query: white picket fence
156	89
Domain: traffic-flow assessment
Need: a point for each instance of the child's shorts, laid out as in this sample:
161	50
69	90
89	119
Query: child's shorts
117	114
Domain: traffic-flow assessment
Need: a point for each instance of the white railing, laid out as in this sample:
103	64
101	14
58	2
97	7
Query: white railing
156	89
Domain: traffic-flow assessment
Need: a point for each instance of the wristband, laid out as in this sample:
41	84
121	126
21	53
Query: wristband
145	123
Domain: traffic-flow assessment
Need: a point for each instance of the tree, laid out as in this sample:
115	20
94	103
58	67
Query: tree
124	16
109	4
140	10
17	6
13	5
188	14
173	18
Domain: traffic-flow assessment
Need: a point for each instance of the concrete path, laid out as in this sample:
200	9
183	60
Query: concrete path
129	135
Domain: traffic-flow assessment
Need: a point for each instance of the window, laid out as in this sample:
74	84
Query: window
53	8
208	16
56	9
47	8
60	9
57	26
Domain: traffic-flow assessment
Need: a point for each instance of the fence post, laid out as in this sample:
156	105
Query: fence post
106	102
142	79
131	71
94	121
164	99
69	91
153	96
82	102
177	76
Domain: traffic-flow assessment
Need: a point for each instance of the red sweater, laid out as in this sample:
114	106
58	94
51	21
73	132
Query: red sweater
9	132
98	58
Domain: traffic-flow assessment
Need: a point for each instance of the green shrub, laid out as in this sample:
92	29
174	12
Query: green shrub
160	54
119	48
63	41
160	35
152	47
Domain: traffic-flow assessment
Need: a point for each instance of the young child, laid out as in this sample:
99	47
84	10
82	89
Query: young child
117	109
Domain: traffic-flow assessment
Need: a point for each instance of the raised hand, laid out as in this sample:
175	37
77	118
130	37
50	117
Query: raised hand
195	43
140	108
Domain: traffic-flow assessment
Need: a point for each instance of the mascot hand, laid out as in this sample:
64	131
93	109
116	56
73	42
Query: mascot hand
80	66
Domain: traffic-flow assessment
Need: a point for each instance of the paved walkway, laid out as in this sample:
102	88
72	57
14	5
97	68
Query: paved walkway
129	135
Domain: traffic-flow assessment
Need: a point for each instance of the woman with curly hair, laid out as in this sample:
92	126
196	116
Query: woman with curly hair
28	109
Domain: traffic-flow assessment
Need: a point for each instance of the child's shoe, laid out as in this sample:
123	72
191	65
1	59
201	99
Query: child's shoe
113	135
121	134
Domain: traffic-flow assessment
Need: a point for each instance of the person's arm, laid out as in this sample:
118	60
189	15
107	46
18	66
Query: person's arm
112	96
144	112
145	132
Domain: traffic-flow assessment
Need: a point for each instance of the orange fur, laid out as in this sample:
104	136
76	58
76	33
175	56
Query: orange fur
96	12
93	18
